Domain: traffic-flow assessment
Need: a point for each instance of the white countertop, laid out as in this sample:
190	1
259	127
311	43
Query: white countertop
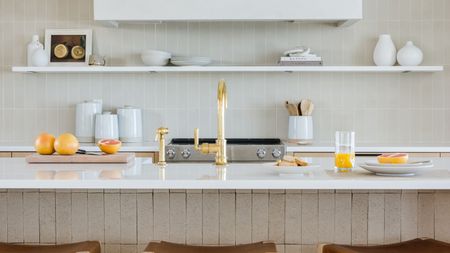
15	173
92	147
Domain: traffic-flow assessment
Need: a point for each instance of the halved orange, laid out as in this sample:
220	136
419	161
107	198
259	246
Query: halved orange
109	146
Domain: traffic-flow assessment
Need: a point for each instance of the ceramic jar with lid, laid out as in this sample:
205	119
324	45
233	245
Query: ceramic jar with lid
130	124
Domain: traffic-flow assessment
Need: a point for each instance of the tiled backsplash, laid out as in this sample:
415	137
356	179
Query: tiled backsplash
386	108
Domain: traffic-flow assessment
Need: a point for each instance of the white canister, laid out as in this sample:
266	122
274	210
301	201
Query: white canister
385	53
410	55
85	119
106	126
300	129
130	124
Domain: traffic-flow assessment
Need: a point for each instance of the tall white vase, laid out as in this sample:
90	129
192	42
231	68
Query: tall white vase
410	55
385	53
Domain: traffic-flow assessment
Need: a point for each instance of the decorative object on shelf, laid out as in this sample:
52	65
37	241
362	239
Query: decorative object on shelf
85	119
410	55
106	126
190	60
39	58
130	124
385	53
155	57
32	47
300	56
97	60
68	46
300	127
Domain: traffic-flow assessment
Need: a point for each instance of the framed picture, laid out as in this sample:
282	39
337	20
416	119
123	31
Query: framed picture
68	46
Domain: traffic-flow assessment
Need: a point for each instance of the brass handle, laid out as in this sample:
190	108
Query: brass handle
196	141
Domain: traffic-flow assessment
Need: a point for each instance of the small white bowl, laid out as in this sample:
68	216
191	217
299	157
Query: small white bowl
155	57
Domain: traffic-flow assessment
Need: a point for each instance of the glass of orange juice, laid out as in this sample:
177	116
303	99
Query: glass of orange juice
344	157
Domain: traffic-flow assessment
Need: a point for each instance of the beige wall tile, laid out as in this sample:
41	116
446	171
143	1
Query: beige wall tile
392	217
260	217
47	217
63	201
79	216
227	218
161	216
293	219
409	208
277	217
128	218
194	214
145	217
375	229
425	215
360	203
30	217
15	216
96	216
310	218
326	217
210	218
112	217
292	249
442	216
177	217
243	218
343	218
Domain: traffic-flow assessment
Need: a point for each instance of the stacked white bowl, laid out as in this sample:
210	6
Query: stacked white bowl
155	57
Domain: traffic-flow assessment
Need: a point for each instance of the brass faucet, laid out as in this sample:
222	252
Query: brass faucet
160	136
220	147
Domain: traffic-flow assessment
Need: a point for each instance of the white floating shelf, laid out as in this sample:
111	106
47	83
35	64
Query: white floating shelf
166	69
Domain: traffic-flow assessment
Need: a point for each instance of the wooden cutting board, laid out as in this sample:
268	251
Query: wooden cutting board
114	158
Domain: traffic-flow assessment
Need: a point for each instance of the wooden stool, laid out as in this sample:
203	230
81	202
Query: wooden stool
167	247
80	247
414	246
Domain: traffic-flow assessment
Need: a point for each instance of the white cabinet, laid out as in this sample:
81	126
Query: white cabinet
341	12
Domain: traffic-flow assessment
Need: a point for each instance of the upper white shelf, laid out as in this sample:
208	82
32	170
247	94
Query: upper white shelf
165	69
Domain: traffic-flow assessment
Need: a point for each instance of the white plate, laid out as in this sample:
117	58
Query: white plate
409	164
394	171
292	170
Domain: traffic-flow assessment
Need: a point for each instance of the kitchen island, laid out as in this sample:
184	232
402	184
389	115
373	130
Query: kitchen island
126	206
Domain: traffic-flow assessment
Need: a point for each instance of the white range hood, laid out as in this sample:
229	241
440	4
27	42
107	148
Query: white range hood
339	12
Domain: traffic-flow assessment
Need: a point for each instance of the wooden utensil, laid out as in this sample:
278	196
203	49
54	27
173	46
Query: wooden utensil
304	106
78	158
292	109
299	108
310	109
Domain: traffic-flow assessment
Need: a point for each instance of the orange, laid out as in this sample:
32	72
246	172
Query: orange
109	146
344	160
67	144
44	144
397	158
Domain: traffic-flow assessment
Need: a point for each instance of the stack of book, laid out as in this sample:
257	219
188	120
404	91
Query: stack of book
306	60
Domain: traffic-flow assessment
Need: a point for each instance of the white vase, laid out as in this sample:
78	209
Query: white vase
39	58
410	55
32	46
385	53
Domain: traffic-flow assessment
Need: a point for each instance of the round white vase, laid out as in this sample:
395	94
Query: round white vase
385	53
410	55
39	58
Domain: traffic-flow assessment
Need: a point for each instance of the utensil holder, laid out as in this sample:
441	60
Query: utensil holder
300	129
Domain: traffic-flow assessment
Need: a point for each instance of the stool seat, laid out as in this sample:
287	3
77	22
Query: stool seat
80	247
412	246
167	247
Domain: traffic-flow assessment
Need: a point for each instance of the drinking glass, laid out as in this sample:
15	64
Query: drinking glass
344	157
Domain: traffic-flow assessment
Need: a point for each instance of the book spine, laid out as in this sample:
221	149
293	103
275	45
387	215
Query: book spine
303	63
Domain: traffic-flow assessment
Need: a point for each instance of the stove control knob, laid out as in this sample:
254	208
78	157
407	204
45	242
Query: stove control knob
170	153
261	153
276	153
186	153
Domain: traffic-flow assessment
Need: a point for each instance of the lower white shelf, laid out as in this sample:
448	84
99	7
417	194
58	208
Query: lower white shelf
168	69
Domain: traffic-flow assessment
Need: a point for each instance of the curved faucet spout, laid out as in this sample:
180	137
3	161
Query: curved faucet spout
221	106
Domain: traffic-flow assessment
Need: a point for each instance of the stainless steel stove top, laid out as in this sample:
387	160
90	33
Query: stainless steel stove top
238	150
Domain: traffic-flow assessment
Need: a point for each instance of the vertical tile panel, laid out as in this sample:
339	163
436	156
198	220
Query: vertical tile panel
128	217
161	215
177	217
210	217
293	221
15	216
359	218
3	217
30	217
145	217
425	214
194	227
243	217
47	217
409	215
375	234
112	217
276	217
343	217
292	248
227	218
442	216
79	216
392	218
309	249
96	216
326	216
260	216
310	217
63	217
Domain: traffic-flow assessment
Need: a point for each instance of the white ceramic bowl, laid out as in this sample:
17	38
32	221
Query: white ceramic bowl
155	57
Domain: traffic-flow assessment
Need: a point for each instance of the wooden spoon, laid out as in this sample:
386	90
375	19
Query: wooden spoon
304	106
292	109
310	109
